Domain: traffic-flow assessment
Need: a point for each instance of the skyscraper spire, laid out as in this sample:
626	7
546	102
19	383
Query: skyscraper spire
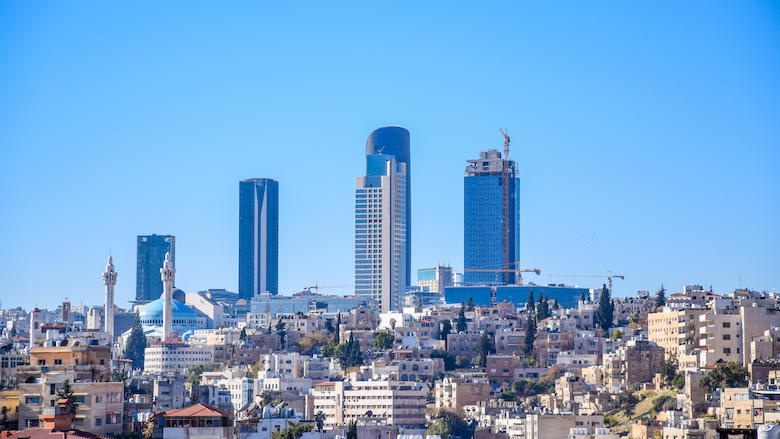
109	280
168	275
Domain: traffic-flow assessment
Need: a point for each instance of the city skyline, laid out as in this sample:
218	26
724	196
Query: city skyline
646	143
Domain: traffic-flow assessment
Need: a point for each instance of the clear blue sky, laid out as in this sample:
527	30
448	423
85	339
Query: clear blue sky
647	135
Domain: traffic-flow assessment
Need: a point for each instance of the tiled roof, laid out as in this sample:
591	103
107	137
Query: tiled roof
49	433
196	411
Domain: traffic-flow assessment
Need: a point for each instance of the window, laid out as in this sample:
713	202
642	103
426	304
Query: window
58	361
98	400
727	324
727	351
727	336
32	400
98	422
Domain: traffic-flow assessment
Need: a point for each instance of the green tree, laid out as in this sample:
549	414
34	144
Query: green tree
280	329
446	329
292	431
470	304
555	304
628	402
351	430
461	325
605	313
329	325
583	298
617	335
453	421
319	419
336	339
669	370
67	393
195	372
242	335
485	347
439	427
530	336
542	307
731	374
384	340
450	362
664	402
529	305
136	344
392	324
660	296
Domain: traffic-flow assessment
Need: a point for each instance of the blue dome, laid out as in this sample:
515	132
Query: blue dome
152	314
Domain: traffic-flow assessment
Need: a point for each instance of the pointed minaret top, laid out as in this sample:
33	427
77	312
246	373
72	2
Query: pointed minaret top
168	263
110	262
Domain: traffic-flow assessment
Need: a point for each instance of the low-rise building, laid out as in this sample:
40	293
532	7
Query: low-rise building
455	393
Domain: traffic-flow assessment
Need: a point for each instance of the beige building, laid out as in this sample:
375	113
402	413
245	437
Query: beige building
675	331
748	408
636	362
384	402
100	404
455	393
559	426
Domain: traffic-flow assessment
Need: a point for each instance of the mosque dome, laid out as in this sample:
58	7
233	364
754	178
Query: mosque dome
179	295
152	314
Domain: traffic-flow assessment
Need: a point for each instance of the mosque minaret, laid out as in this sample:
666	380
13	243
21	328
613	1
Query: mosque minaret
109	280
168	276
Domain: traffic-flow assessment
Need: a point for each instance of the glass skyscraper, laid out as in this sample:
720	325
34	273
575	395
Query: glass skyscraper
383	232
491	219
258	237
151	255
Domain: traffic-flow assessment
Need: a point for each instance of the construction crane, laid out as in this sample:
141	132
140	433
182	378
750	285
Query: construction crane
506	143
610	276
518	272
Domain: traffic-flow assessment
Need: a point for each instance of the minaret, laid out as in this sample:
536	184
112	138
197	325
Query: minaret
168	276
35	326
109	280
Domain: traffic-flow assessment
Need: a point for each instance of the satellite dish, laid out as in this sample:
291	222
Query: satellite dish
369	414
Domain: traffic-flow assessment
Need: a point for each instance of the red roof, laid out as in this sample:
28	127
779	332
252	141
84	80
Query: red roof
199	410
330	383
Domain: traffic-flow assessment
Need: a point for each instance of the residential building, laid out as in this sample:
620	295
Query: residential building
491	219
455	393
100	403
196	421
538	426
675	331
173	355
258	238
636	362
383	220
169	392
151	255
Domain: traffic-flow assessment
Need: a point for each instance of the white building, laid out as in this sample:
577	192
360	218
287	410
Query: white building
175	356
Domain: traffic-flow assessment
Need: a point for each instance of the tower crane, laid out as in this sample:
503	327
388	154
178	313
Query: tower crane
610	276
316	287
517	271
506	143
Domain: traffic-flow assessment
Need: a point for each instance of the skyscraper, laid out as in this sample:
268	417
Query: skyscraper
491	219
151	255
383	232
258	237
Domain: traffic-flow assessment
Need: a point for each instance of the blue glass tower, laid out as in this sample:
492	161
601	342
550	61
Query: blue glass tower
383	219
258	237
151	255
491	220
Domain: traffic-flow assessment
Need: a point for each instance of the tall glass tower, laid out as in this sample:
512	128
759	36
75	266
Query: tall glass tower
383	232
151	255
258	237
491	219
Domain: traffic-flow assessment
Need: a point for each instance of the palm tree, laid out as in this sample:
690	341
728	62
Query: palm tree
319	418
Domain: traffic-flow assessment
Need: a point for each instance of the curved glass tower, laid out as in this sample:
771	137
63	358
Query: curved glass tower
258	237
383	232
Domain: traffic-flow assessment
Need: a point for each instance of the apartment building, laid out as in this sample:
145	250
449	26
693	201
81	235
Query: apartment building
675	331
100	403
636	362
168	392
455	393
539	426
464	344
385	402
176	356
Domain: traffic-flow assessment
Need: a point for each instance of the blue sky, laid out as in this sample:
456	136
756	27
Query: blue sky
647	135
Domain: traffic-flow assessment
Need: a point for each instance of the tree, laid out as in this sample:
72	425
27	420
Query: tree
446	329
336	339
67	393
242	335
450	363
392	324
292	431
605	313
542	307
529	305
485	346
452	421
440	428
319	419
664	402
617	335
311	341
461	325
280	329
352	430
555	304
471	304
583	298
731	374
660	296
195	372
329	325
669	370
530	336
384	340
136	344
628	402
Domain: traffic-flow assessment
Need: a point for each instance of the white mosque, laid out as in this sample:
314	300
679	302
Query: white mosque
180	317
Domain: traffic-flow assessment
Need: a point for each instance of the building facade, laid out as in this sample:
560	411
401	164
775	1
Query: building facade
258	237
436	278
491	219
383	220
151	255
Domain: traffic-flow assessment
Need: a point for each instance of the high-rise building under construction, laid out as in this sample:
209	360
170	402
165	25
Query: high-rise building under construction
491	219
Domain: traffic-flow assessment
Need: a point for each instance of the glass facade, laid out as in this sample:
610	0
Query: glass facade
149	261
491	220
567	296
258	237
382	220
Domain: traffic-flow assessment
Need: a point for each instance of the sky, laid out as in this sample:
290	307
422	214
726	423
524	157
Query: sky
647	136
